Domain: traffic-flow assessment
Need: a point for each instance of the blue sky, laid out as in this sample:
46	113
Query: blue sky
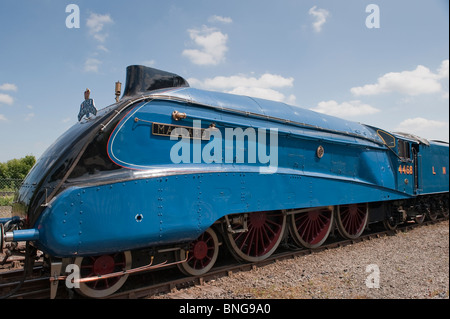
315	54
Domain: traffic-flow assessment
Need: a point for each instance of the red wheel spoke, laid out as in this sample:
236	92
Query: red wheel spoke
267	229
311	228
262	236
352	220
93	266
251	242
202	254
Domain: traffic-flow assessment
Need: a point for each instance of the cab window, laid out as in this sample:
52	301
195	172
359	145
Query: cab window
387	138
403	150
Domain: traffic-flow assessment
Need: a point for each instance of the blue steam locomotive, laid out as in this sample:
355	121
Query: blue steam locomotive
165	175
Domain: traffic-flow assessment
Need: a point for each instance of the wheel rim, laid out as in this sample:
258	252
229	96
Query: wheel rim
419	219
102	265
265	231
431	215
311	229
443	206
202	254
390	224
352	219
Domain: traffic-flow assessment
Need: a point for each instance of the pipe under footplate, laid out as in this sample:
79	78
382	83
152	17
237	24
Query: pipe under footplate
22	235
13	220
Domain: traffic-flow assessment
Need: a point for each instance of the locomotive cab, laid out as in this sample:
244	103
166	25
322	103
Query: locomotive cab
407	166
405	158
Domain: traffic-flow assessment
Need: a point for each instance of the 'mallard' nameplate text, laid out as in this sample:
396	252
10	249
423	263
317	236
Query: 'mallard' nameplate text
162	129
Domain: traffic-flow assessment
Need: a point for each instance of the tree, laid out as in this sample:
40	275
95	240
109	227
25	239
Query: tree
17	168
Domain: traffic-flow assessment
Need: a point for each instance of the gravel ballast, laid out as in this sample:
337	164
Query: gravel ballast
413	264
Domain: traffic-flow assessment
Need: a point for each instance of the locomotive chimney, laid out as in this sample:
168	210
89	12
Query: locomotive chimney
142	79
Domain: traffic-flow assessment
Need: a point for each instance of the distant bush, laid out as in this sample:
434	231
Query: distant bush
6	200
17	168
8	185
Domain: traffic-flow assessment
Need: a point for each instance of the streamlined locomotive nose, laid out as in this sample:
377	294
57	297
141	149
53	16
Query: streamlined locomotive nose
48	176
79	156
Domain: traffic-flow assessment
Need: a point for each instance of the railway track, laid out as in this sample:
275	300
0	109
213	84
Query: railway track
37	285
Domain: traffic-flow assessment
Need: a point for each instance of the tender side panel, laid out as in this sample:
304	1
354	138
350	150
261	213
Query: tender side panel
434	165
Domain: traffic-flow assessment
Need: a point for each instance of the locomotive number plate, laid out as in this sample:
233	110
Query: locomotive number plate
162	129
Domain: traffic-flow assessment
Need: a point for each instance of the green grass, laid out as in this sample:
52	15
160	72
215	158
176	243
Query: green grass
6	200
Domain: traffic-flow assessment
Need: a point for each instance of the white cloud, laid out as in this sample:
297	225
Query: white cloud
345	109
320	16
443	69
216	18
2	117
212	46
266	80
92	65
8	87
419	81
443	73
423	127
28	117
262	87
263	93
6	99
102	48
96	23
150	63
